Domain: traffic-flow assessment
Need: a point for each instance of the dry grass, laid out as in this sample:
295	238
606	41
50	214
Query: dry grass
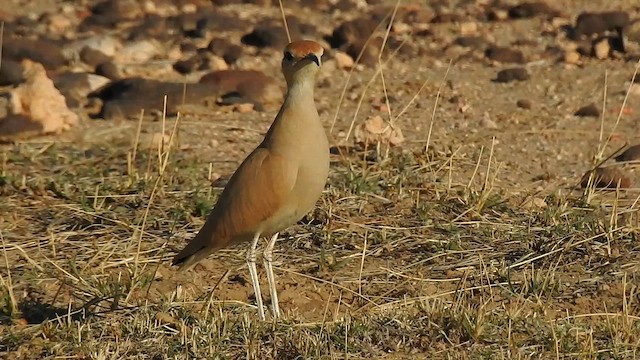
416	262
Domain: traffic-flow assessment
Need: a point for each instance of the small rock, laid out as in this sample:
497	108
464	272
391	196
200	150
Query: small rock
588	24
251	85
512	74
601	49
606	178
75	86
572	57
189	65
228	51
351	32
138	52
497	14
505	55
370	53
487	122
375	130
272	34
105	44
127	97
344	61
266	36
631	154
535	204
93	57
475	42
468	28
632	32
10	72
45	52
531	9
109	70
111	13
446	17
58	23
524	104
36	107
216	63
590	110
243	108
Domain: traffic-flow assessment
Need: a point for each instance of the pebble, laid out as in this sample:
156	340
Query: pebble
608	177
590	110
505	55
588	24
127	97
601	49
251	85
375	130
572	57
487	122
343	60
631	154
531	9
512	74
524	104
36	107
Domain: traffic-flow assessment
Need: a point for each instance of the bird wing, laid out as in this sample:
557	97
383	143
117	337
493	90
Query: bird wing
255	192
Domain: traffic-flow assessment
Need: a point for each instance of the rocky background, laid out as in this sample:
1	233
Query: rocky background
515	66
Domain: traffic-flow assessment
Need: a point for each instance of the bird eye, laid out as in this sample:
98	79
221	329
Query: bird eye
288	56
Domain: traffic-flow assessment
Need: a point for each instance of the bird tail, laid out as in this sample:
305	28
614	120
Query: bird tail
193	253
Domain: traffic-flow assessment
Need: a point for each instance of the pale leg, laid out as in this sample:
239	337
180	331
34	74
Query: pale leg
251	263
268	259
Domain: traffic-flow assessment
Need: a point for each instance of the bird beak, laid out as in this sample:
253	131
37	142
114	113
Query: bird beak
314	58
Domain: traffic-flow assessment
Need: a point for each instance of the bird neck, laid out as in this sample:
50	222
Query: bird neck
297	118
300	91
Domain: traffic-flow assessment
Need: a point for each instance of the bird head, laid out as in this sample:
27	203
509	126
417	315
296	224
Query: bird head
301	60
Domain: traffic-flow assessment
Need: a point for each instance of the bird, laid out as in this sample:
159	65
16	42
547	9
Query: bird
278	183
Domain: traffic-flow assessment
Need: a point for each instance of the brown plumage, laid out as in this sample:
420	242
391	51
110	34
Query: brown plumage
279	182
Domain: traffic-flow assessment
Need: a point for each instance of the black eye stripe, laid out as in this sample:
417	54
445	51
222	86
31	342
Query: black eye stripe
288	56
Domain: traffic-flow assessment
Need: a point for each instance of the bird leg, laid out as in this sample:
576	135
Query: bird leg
251	263
268	260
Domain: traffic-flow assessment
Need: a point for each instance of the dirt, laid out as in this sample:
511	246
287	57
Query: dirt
476	127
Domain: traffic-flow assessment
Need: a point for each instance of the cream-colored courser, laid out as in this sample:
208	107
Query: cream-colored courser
278	183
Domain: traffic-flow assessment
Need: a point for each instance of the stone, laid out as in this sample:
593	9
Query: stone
351	32
10	72
228	51
251	85
109	70
36	107
504	55
532	9
46	52
512	74
608	177
588	24
601	49
107	45
75	86
375	130
590	110
343	60
572	57
93	57
630	154
126	98
138	52
524	104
